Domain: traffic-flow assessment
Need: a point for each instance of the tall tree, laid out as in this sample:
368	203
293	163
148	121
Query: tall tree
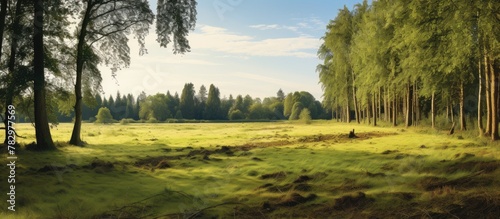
213	106
43	136
187	105
106	24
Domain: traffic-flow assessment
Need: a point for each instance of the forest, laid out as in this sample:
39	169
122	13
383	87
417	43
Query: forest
409	61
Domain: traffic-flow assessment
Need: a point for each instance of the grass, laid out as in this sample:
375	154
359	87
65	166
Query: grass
185	170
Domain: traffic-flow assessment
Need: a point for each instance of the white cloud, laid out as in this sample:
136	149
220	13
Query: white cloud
265	26
221	40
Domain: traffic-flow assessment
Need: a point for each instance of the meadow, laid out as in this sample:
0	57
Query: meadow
256	170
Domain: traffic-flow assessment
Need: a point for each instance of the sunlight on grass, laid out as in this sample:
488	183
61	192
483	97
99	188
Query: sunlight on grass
190	167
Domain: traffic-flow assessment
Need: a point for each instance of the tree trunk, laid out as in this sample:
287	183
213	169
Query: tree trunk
462	113
354	99
11	65
409	104
3	14
374	108
75	136
386	105
433	111
379	108
394	111
447	111
43	137
416	105
368	113
494	103
489	109
479	113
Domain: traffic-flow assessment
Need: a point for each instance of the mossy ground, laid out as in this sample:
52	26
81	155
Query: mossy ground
256	170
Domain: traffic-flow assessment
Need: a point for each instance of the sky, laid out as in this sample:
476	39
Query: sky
253	47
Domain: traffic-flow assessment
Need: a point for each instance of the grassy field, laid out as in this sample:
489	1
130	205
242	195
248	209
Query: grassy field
256	170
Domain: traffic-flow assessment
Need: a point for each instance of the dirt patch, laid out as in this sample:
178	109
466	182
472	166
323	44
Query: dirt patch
389	151
296	199
100	166
302	187
473	180
407	196
477	207
474	166
277	175
350	185
302	179
160	162
369	174
280	188
348	202
256	159
52	168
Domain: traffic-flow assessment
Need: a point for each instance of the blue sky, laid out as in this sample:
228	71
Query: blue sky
243	47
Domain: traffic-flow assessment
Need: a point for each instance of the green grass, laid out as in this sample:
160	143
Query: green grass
387	164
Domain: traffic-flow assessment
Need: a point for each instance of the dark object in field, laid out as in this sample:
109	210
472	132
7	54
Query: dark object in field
267	207
225	150
49	168
452	130
375	174
352	201
389	151
296	199
277	175
352	134
256	159
154	162
304	187
423	146
302	179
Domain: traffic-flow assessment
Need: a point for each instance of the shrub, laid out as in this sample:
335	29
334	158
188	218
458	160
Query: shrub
305	116
126	121
152	120
104	116
236	115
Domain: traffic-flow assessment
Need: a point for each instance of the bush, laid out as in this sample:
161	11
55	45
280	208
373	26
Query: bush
104	116
152	120
92	119
236	115
126	121
305	116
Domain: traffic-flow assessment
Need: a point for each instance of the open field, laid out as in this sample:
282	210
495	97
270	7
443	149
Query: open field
256	170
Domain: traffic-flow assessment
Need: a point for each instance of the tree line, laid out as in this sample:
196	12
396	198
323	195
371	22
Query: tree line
409	61
203	105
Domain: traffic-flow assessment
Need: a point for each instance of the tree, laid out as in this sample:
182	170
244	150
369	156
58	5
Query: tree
186	105
288	104
213	106
155	107
236	115
297	108
280	95
305	116
202	94
43	136
104	116
106	24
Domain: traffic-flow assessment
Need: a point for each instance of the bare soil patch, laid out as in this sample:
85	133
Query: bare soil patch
277	175
347	202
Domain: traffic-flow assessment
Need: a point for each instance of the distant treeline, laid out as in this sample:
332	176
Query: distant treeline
202	105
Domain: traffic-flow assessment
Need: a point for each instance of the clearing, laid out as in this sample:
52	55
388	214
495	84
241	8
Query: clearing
256	170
